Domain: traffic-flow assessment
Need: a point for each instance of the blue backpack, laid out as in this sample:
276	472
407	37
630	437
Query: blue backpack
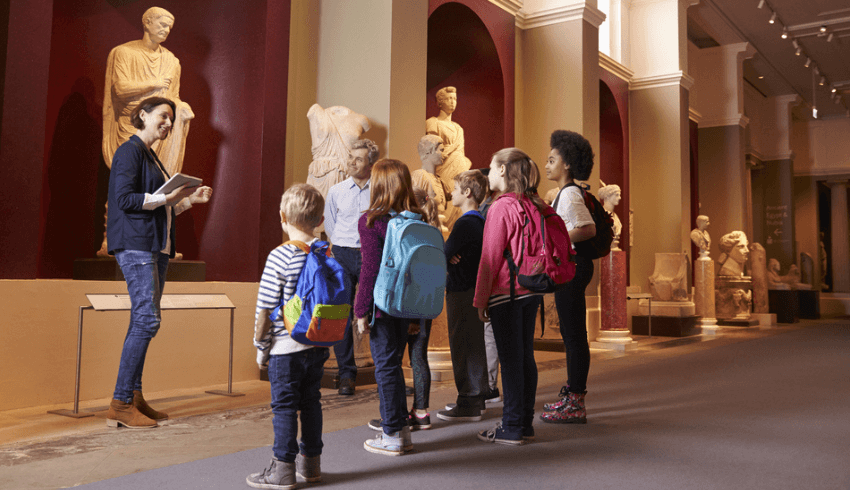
317	312
412	279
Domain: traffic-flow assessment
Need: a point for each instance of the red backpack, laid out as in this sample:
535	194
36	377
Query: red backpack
546	262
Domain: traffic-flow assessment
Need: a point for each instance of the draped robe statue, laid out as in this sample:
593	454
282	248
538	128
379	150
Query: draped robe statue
135	71
454	158
332	130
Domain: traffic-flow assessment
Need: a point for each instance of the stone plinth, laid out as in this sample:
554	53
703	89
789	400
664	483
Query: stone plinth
665	326
614	330
704	294
809	301
785	303
733	298
667	308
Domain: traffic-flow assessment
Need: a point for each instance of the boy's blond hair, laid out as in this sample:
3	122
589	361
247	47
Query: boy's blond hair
303	206
475	181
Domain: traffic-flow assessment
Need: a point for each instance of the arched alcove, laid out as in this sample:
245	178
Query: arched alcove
613	166
462	54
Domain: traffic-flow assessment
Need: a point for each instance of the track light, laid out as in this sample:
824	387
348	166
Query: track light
761	4
784	33
799	51
822	81
834	90
795	44
829	38
822	28
808	62
773	19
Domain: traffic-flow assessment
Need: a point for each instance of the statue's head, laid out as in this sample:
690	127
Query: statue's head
773	265
610	195
447	99
430	149
702	222
735	245
157	23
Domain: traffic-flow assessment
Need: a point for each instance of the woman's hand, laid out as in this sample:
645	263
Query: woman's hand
484	314
363	326
455	260
201	195
413	327
178	194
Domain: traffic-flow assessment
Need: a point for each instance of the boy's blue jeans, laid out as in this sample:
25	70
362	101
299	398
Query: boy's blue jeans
295	382
145	276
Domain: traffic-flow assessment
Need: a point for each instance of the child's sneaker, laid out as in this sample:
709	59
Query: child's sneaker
309	467
387	444
492	396
499	436
460	414
415	422
375	424
278	476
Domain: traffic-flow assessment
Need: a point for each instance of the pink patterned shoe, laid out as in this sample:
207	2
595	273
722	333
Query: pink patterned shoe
572	412
549	407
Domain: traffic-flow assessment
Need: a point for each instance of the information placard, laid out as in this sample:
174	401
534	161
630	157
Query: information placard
103	302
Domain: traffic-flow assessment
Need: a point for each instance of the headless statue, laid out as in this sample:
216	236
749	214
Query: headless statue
333	131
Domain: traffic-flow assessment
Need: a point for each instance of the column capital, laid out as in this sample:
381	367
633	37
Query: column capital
509	6
529	19
678	78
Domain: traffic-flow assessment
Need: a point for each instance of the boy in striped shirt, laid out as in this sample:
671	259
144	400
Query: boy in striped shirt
295	369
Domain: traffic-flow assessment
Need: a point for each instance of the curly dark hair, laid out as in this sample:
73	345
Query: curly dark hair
575	151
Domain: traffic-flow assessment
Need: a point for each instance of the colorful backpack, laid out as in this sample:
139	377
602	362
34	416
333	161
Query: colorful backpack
412	278
546	263
317	312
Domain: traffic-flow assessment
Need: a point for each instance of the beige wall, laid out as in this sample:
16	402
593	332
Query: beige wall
723	181
303	39
822	147
39	341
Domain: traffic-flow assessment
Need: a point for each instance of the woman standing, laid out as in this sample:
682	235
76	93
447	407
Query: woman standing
515	176
140	233
392	192
571	159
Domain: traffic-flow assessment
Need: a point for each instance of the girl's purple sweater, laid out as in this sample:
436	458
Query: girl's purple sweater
371	250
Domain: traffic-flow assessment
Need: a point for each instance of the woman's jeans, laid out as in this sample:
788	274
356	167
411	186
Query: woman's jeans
145	276
513	327
387	339
417	350
295	381
572	313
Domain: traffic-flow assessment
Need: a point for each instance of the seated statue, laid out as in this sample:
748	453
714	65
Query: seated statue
669	281
734	249
777	281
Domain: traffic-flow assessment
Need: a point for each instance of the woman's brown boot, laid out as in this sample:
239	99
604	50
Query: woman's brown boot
140	403
129	416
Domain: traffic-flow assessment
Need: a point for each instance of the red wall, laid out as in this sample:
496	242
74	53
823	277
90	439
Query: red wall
614	144
471	47
234	58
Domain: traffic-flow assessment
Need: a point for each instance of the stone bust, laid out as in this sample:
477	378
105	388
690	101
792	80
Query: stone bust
135	71
735	251
610	195
700	236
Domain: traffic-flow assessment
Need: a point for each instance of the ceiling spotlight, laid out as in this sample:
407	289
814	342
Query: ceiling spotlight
822	81
761	77
785	33
799	51
761	4
829	38
795	44
808	62
814	112
773	21
822	28
834	90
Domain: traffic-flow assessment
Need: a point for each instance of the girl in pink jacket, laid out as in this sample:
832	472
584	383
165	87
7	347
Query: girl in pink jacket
514	174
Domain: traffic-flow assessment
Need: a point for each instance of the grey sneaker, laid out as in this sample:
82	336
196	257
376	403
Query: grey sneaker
278	476
309	467
387	444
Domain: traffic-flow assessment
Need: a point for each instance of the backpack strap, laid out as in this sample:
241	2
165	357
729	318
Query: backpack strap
298	243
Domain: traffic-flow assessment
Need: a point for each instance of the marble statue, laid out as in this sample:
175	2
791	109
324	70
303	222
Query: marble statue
430	150
332	130
823	264
758	271
135	71
669	281
454	158
610	196
735	250
807	268
777	281
700	236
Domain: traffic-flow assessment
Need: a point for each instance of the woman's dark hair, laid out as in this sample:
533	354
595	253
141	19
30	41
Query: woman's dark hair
575	151
148	105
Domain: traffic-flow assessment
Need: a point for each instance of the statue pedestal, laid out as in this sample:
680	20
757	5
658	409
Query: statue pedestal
785	303
665	326
676	309
733	301
809	301
614	330
704	294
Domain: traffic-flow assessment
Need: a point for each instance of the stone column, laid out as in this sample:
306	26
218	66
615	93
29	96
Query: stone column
659	166
704	294
840	251
614	331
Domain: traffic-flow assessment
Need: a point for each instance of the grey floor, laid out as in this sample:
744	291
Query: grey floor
766	411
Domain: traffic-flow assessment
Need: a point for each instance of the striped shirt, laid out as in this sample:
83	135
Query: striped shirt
280	276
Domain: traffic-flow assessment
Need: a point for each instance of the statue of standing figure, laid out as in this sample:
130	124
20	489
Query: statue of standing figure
700	236
333	131
454	158
430	149
135	71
